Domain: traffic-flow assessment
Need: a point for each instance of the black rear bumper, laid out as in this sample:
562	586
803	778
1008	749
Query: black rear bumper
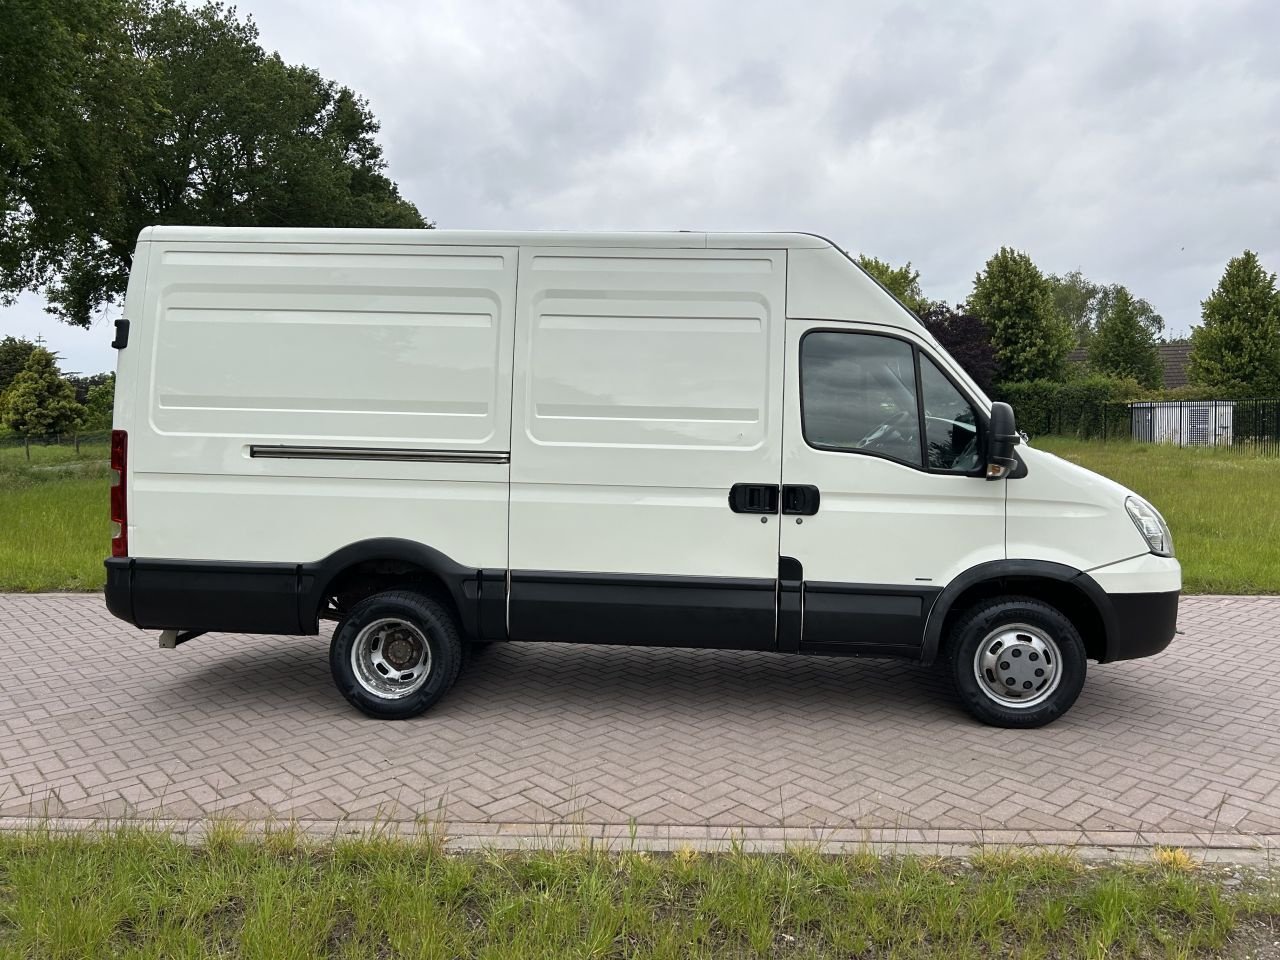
284	598
1141	624
195	594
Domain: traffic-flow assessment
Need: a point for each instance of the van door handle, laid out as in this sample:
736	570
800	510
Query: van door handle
753	498
800	499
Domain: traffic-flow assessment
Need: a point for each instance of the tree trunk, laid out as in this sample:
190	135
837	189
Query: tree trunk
77	442
26	444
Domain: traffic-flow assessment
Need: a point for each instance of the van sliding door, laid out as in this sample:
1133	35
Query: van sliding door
645	446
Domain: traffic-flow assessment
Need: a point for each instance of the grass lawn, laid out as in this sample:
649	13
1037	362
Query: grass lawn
138	893
1223	506
54	518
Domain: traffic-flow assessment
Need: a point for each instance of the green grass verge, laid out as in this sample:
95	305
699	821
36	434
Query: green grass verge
138	893
1223	506
53	511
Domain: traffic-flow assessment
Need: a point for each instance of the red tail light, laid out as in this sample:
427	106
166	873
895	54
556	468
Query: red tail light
119	507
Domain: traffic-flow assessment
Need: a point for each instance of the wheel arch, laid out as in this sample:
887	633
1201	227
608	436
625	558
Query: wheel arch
1072	591
453	581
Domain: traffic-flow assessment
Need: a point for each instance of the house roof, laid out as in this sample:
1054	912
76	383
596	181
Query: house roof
1173	362
1173	359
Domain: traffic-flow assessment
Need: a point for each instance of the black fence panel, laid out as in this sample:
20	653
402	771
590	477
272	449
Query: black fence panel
1251	424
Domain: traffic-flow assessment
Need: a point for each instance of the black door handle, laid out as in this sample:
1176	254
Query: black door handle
800	499
753	498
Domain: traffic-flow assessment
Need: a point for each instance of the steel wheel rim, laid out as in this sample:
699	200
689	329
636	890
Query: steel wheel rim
391	658
1018	666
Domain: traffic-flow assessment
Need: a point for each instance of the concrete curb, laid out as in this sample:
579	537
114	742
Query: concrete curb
463	836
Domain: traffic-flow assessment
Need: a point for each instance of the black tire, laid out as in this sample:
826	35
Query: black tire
433	621
978	629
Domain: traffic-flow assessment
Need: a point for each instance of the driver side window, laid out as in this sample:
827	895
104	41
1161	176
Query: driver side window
858	394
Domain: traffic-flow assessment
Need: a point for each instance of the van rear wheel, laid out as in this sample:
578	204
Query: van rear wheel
1016	662
395	654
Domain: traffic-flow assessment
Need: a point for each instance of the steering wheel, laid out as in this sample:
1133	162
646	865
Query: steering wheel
894	424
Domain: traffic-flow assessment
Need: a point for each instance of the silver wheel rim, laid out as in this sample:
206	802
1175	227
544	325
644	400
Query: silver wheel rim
391	658
1018	666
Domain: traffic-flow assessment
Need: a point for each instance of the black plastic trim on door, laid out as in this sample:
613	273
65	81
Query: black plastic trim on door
753	498
865	619
736	613
800	499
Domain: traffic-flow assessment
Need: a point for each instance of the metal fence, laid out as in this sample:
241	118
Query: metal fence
75	440
1253	424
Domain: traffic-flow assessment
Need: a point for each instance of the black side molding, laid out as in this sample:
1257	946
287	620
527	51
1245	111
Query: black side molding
736	613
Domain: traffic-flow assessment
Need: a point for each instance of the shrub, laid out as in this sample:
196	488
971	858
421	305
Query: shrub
1075	408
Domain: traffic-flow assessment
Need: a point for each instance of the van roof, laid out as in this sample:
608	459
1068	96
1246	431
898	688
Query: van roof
492	238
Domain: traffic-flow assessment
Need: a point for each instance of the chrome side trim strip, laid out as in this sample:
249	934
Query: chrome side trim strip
288	452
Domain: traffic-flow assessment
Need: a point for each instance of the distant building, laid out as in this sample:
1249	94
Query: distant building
1173	362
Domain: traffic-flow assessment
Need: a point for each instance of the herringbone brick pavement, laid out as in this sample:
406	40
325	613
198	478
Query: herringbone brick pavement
96	722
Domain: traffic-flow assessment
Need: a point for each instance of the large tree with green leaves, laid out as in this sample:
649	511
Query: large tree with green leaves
1237	347
1075	302
1011	294
160	113
903	282
14	353
1082	304
1123	346
39	402
99	403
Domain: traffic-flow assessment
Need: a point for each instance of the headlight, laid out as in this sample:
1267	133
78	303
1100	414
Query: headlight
1151	525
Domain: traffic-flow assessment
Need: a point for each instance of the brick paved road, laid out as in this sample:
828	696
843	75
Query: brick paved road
96	722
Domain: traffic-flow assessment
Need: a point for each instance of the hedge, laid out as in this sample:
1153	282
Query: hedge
1074	409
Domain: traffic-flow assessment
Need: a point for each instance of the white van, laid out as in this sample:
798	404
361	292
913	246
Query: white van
740	441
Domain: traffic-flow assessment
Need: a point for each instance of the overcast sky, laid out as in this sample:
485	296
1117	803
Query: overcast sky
1138	141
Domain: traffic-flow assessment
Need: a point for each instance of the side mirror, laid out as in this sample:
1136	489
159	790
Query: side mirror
1002	436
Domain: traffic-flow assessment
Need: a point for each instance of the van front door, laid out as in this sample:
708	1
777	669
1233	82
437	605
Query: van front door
883	498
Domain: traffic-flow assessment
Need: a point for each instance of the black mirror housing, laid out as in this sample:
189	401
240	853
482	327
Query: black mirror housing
1002	437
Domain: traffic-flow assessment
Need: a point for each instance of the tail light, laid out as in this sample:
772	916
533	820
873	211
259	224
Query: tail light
119	506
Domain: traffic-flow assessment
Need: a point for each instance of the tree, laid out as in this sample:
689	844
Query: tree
1031	341
14	353
99	403
1074	301
1237	347
1082	304
1144	311
903	282
1123	346
966	337
83	384
181	118
39	402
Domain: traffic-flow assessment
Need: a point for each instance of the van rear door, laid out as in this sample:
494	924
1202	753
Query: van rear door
646	445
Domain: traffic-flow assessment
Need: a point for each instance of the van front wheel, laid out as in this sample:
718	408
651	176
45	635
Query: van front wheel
395	654
1016	662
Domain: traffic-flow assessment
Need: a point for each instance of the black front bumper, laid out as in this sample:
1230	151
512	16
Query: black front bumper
1140	624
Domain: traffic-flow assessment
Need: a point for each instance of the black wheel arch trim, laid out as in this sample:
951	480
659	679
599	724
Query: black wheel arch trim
996	570
314	579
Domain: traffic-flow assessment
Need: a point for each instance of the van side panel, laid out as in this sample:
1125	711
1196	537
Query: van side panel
300	397
647	384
